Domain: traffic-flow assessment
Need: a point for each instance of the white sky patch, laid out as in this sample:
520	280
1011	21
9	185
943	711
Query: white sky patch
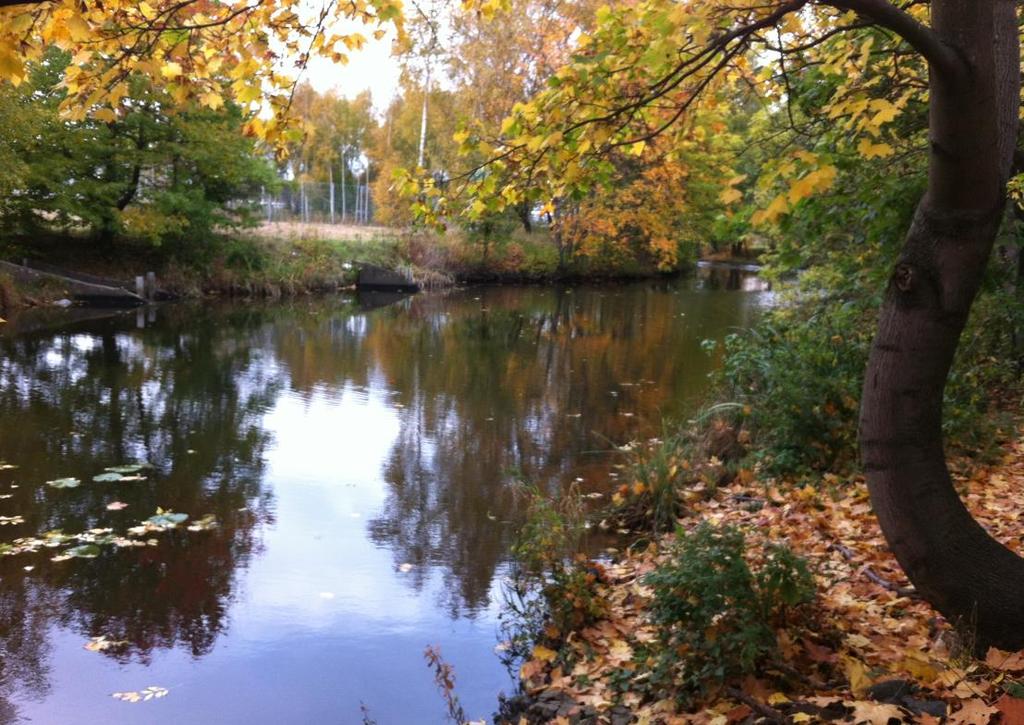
371	68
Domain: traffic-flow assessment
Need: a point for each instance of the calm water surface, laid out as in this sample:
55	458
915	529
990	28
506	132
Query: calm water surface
359	462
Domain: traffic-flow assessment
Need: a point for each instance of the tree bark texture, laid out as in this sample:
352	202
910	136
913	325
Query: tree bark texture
973	580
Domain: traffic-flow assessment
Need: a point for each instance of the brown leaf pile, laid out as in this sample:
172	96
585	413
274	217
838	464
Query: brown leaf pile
876	653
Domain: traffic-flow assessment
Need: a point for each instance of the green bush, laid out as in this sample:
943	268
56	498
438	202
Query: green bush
717	618
799	374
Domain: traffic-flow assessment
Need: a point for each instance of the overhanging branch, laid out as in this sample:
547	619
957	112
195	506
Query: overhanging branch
922	38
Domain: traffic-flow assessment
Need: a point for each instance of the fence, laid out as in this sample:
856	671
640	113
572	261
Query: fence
319	203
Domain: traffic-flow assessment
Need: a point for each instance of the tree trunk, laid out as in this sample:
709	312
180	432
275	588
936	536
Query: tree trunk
523	211
972	579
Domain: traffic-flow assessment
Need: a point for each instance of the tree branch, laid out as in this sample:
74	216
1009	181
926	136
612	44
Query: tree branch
922	38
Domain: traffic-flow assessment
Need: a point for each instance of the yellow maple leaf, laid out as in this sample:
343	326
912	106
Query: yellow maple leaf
171	69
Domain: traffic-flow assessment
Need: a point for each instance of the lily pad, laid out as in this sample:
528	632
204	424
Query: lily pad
64	483
108	477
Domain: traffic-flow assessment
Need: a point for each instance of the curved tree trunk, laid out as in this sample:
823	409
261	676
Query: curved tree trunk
968	576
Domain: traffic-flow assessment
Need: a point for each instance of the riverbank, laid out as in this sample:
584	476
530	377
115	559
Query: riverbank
866	649
283	260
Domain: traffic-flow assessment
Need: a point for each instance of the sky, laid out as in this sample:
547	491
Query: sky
371	68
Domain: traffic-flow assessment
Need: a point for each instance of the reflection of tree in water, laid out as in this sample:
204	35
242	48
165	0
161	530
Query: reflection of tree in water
490	381
187	396
523	381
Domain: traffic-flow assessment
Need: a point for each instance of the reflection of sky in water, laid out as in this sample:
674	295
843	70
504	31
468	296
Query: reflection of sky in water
336	446
349	629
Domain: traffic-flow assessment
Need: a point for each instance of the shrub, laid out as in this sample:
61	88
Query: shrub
799	373
800	370
717	618
549	564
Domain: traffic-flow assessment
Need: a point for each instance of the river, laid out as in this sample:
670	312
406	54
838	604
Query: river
359	460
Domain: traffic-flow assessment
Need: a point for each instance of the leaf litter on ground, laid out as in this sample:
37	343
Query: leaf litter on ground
880	654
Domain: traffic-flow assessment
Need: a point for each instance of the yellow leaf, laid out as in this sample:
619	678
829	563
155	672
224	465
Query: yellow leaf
248	93
919	667
857	674
730	196
211	100
544	654
78	29
11	67
19	23
171	69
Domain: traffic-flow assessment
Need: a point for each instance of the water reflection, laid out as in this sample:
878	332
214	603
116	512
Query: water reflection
322	435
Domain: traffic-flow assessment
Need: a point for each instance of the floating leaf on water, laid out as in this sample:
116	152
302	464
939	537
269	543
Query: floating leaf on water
101	643
129	479
11	520
4	466
107	477
28	568
165	519
405	568
130	468
204	524
116	506
144	695
6	495
84	551
63	483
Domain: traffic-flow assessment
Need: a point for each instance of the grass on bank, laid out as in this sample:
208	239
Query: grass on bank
281	259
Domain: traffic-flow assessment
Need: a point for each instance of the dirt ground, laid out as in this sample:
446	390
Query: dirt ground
293	230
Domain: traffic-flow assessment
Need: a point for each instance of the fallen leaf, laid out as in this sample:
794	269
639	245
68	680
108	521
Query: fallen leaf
974	712
875	713
1012	709
116	506
857	674
997	659
101	643
144	695
544	654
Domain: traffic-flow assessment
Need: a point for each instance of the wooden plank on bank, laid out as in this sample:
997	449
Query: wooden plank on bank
90	293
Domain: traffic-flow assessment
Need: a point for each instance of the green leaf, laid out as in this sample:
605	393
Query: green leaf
64	483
